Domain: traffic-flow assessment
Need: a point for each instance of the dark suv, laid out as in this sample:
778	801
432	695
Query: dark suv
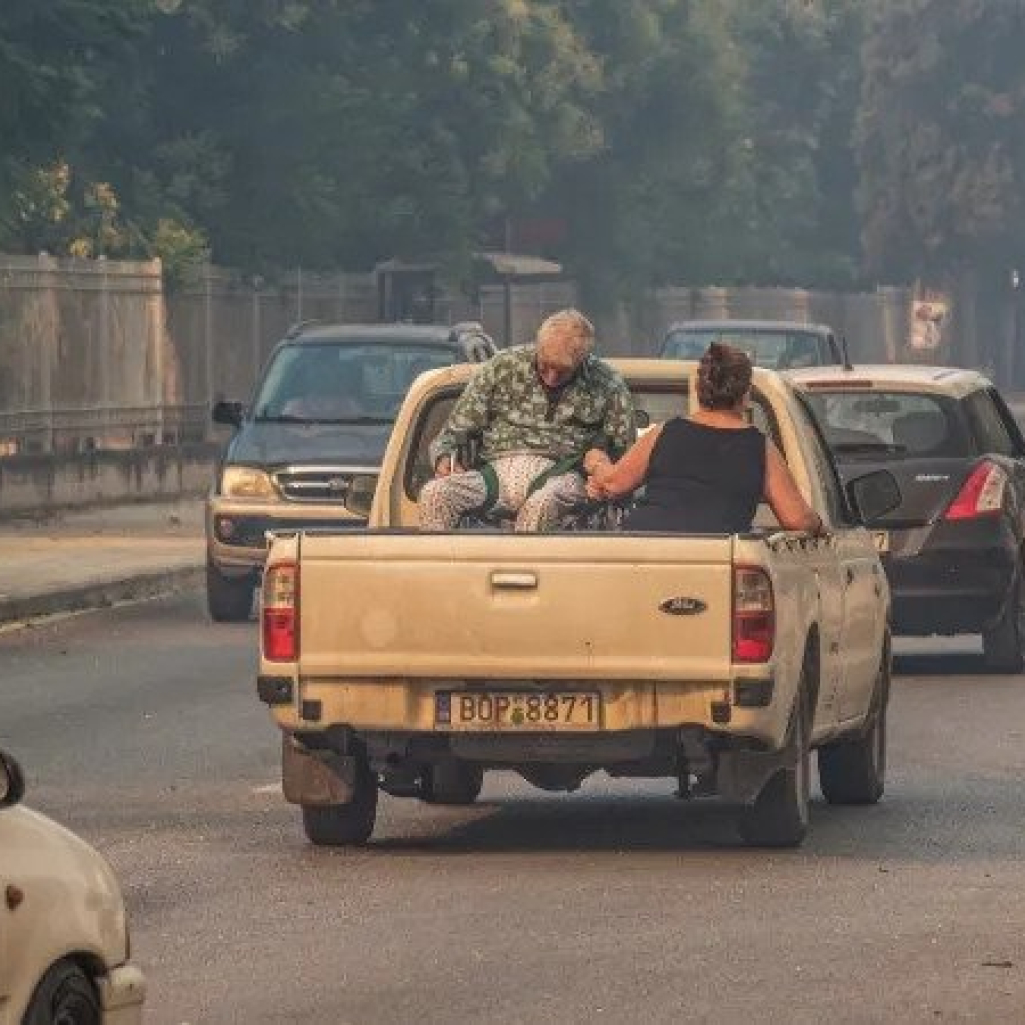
307	450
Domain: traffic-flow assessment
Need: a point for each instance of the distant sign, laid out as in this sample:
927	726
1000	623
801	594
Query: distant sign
930	314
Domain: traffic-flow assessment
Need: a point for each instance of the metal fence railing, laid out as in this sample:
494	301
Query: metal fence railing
76	431
97	355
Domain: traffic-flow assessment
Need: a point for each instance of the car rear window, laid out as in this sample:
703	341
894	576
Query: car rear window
890	425
777	350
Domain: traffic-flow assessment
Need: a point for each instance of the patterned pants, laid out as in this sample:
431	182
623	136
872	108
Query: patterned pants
445	499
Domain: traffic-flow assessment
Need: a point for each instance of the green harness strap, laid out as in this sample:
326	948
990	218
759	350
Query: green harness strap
487	471
570	464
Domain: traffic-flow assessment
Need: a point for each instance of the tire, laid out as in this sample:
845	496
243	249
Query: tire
779	815
1004	643
453	783
853	771
65	996
344	825
227	599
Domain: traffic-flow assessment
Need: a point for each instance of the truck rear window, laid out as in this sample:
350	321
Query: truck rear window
880	425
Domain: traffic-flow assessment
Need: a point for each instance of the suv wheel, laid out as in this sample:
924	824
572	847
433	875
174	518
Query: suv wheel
228	599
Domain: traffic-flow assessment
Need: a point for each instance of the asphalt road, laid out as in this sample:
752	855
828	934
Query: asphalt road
138	728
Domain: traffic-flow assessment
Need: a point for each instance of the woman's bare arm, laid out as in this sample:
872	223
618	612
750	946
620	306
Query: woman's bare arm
782	494
613	480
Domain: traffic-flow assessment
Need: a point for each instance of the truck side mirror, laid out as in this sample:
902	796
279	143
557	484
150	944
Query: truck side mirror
227	413
12	781
360	495
873	495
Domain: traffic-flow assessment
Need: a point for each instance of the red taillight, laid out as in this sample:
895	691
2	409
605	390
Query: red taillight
280	613
982	494
754	615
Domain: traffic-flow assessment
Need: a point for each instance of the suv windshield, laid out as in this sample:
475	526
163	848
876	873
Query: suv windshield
880	425
776	350
345	382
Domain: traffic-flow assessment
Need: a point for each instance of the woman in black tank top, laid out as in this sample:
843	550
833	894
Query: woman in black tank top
707	473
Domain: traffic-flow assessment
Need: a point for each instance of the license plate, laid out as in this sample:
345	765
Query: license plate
517	711
882	540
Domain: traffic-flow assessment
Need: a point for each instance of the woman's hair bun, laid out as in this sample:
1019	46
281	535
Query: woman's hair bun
724	376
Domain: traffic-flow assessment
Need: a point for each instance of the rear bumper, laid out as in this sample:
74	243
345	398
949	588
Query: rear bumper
958	581
122	992
396	705
236	531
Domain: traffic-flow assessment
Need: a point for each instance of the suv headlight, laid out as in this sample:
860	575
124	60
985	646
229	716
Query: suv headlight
246	482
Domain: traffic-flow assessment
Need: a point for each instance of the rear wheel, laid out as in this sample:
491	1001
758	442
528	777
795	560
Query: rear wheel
345	825
228	599
453	783
1004	643
779	815
65	996
853	771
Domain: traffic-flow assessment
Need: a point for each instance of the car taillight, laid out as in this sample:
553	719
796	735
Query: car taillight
280	613
981	495
754	615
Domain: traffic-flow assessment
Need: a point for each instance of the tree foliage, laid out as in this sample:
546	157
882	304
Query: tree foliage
709	141
802	78
942	135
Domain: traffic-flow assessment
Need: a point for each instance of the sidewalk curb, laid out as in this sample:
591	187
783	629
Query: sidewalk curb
101	594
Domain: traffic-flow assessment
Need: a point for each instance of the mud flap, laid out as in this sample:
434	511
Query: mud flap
741	775
316	777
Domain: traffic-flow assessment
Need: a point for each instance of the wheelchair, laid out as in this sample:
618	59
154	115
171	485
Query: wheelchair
591	515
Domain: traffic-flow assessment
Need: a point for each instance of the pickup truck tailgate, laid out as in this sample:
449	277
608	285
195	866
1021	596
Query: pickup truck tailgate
515	606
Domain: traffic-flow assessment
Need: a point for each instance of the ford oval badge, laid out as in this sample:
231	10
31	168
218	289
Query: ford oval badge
683	606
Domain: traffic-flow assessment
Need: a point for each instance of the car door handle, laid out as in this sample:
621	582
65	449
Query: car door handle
503	581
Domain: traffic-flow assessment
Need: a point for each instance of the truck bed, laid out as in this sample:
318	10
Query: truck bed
513	606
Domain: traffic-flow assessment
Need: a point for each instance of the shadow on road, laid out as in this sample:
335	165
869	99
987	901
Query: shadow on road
579	824
960	664
903	829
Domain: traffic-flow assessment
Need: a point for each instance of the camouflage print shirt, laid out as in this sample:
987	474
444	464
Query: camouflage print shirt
506	402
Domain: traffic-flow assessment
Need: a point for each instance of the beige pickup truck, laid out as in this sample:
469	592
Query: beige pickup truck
413	663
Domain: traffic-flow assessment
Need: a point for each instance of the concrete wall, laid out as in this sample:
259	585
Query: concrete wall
94	354
38	483
106	380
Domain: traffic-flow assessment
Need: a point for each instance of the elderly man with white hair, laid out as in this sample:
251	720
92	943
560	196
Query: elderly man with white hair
544	412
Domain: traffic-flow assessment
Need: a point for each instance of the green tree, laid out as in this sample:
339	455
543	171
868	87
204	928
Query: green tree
338	132
56	59
650	206
942	136
802	71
